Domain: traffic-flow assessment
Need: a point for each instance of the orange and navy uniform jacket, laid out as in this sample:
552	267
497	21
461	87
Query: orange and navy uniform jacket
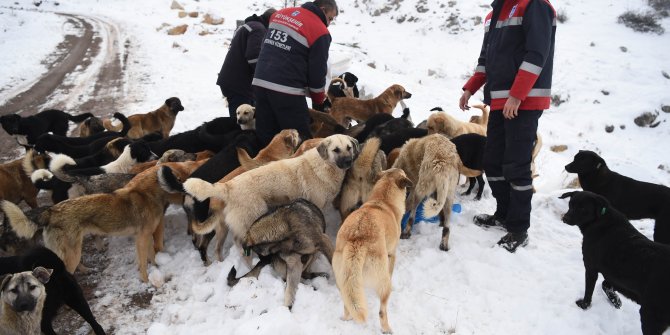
517	55
294	56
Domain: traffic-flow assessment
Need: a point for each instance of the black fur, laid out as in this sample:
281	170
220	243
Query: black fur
630	263
139	150
635	199
212	135
50	120
470	148
62	288
371	124
396	140
390	127
174	104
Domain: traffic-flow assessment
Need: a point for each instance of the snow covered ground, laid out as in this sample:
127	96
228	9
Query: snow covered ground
607	74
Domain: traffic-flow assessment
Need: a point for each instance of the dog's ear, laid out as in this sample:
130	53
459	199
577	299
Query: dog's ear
602	206
567	195
5	282
42	274
404	182
322	148
357	148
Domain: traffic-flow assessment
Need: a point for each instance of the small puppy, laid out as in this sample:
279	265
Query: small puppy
629	261
62	288
362	110
291	235
22	297
635	199
365	247
50	120
432	164
246	116
161	120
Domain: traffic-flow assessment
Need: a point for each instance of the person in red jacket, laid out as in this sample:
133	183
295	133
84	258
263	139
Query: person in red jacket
515	66
292	64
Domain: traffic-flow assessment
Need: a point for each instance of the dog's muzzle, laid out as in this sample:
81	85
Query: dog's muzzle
407	95
569	168
344	162
24	304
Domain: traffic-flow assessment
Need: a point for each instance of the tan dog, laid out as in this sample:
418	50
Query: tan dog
433	164
161	120
316	176
449	126
366	245
361	177
306	145
22	297
136	209
15	183
362	110
245	114
282	146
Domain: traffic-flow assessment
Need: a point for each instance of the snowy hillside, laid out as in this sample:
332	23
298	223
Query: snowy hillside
605	74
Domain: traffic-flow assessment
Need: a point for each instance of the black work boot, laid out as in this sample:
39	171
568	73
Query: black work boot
511	241
487	221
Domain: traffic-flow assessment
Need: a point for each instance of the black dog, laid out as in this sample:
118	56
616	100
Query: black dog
393	125
629	261
635	199
396	140
337	90
212	135
50	120
52	143
470	148
62	288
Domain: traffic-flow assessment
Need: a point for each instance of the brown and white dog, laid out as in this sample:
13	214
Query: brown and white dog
136	209
433	165
366	246
361	110
449	126
161	120
22	297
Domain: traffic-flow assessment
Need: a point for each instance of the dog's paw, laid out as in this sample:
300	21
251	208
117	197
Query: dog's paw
444	247
346	318
612	296
405	235
583	304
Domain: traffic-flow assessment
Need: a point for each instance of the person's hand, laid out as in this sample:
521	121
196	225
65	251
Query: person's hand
511	109
463	102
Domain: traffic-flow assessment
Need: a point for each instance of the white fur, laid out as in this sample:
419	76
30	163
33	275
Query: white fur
41	175
122	164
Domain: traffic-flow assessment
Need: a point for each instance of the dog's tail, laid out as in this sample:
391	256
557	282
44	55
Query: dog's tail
123	127
201	190
79	118
21	224
349	277
58	164
443	182
536	150
485	114
168	181
326	118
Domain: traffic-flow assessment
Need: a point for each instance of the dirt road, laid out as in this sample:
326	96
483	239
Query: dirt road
84	76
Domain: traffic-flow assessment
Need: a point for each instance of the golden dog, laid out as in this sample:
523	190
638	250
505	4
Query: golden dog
362	110
136	209
161	120
366	245
433	165
449	126
316	176
362	176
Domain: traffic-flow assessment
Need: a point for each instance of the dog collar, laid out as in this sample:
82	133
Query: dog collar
247	251
598	166
603	211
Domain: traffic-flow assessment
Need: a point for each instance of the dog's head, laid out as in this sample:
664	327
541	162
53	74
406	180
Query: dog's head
174	104
286	142
349	78
585	161
22	291
10	123
397	176
584	208
141	152
90	126
245	114
176	155
399	92
340	150
440	123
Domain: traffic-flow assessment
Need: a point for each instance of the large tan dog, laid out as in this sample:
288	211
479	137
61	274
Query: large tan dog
316	176
282	146
361	177
136	209
22	297
161	120
449	126
15	183
362	110
366	244
433	164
